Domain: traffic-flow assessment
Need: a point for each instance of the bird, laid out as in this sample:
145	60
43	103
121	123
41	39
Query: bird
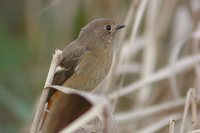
85	62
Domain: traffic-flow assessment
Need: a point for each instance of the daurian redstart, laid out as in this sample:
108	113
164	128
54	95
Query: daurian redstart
86	62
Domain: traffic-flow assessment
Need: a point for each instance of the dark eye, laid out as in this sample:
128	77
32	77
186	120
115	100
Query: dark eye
108	27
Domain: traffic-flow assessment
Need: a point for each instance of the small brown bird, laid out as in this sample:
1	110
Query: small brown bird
86	62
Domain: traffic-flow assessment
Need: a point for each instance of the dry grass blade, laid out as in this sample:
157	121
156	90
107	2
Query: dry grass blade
66	90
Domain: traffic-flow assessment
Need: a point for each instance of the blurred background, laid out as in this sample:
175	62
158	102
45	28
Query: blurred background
30	31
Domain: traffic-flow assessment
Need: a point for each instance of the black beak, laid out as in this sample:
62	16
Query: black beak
119	27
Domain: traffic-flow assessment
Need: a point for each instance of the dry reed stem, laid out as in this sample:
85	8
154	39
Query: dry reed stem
127	22
164	73
172	126
150	51
194	109
106	121
172	60
194	131
132	68
133	116
195	49
130	51
42	116
186	109
166	15
139	15
156	126
40	108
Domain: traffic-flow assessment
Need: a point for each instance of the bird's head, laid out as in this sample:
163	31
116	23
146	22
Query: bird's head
100	32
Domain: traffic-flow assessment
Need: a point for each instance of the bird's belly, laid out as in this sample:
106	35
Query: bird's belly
89	73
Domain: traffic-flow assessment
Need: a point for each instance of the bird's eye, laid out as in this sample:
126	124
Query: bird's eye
108	27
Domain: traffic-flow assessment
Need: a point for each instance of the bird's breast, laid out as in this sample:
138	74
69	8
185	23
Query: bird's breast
92	69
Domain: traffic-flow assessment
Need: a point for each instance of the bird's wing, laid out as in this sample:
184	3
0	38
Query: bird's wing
71	57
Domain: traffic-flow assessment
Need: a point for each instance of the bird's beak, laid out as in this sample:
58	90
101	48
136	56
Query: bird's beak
119	27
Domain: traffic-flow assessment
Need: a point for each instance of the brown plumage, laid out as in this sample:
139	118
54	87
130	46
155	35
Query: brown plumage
86	62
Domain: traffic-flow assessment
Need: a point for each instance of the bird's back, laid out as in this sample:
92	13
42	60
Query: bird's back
91	70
